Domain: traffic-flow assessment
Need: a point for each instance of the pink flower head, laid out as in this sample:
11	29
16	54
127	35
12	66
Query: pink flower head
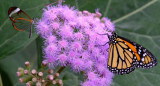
77	64
55	25
102	59
76	46
72	54
43	29
79	36
51	48
85	55
66	31
91	46
92	75
95	51
102	39
93	36
109	25
50	39
100	68
63	43
62	59
73	38
49	14
70	13
89	65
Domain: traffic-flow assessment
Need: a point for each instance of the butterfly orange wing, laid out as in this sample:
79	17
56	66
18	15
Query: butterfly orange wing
125	56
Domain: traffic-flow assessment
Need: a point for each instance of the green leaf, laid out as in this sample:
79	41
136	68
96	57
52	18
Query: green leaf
12	40
69	79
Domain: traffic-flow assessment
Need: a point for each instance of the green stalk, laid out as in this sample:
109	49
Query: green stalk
107	8
59	71
76	3
39	43
136	11
1	83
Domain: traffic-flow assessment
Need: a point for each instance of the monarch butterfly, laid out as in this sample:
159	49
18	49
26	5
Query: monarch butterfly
20	20
126	55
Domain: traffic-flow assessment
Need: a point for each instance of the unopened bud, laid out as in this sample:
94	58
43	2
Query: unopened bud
59	81
34	79
40	74
20	69
56	74
33	71
44	63
50	71
53	82
29	83
38	84
43	81
50	77
27	64
19	74
21	80
25	71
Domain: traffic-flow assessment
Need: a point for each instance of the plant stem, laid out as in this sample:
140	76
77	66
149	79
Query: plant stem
39	43
1	83
107	8
59	71
136	11
76	3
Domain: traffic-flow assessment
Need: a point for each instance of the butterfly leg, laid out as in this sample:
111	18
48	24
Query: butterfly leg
30	33
106	42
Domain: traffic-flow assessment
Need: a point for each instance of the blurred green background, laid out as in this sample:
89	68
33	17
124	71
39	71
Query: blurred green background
138	20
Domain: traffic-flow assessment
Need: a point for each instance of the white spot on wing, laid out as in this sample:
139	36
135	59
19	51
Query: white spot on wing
142	59
13	12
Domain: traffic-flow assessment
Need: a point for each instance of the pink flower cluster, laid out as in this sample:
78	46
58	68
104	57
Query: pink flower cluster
74	38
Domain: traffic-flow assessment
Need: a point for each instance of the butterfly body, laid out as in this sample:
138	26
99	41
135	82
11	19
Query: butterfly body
126	55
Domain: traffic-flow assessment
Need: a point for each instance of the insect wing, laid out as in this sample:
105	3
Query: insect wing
120	59
22	24
20	20
126	55
143	57
15	13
